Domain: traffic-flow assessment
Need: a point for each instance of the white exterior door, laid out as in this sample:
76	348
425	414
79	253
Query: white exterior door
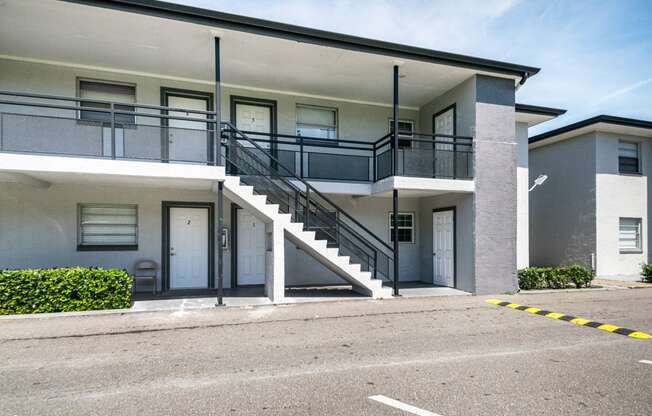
251	249
249	117
188	248
443	248
187	140
444	123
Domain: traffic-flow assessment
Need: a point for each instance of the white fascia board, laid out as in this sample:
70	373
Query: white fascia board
426	185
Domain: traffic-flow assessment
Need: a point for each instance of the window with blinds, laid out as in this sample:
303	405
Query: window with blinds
106	91
629	238
108	226
628	161
318	122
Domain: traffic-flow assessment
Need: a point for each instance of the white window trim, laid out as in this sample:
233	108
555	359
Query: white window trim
105	247
639	236
318	107
413	227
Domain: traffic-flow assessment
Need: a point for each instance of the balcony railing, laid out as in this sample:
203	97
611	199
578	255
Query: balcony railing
45	124
419	155
55	125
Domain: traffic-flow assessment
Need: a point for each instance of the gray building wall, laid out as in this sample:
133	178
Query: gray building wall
484	109
463	96
562	211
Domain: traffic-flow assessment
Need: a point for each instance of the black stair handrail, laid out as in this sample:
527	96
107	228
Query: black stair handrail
307	185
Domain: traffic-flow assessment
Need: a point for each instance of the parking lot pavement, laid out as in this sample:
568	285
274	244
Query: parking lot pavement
441	356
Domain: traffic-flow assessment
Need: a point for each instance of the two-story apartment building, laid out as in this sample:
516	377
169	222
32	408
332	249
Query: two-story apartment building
234	151
594	208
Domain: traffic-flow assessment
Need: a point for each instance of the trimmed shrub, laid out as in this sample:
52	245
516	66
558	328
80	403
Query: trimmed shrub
531	278
646	272
580	276
63	289
554	277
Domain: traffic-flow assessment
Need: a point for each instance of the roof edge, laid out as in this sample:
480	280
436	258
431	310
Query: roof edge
539	110
602	118
308	35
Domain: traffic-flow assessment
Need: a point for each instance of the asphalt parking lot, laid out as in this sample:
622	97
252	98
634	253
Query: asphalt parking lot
427	356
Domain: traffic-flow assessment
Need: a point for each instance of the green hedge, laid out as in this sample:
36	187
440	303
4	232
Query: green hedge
646	272
63	289
554	277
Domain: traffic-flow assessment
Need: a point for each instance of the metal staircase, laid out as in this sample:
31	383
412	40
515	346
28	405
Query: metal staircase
259	182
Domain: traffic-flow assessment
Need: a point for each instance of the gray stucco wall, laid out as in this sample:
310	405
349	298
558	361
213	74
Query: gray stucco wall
463	96
495	186
562	211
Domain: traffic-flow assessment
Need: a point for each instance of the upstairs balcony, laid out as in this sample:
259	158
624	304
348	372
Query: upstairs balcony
70	126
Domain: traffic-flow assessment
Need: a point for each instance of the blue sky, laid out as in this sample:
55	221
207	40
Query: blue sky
596	56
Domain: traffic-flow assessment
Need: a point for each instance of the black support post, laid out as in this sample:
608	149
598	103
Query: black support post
218	106
395	115
220	251
395	236
395	192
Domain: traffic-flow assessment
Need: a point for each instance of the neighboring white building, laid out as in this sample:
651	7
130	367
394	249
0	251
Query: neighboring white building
594	208
110	153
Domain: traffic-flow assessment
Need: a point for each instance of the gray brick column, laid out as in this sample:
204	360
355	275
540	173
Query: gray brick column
495	186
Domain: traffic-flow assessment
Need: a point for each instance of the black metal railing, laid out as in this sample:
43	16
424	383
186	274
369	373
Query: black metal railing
418	155
258	167
46	124
425	155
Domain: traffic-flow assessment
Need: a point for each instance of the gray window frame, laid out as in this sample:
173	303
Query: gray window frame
638	157
126	106
105	247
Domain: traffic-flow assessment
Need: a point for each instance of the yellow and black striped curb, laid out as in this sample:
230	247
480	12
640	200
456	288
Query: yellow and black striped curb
572	319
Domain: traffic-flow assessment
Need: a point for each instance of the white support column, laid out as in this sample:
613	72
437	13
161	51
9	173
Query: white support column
275	262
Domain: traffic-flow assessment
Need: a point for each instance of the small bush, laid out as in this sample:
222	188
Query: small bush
646	272
580	276
63	289
531	278
554	277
